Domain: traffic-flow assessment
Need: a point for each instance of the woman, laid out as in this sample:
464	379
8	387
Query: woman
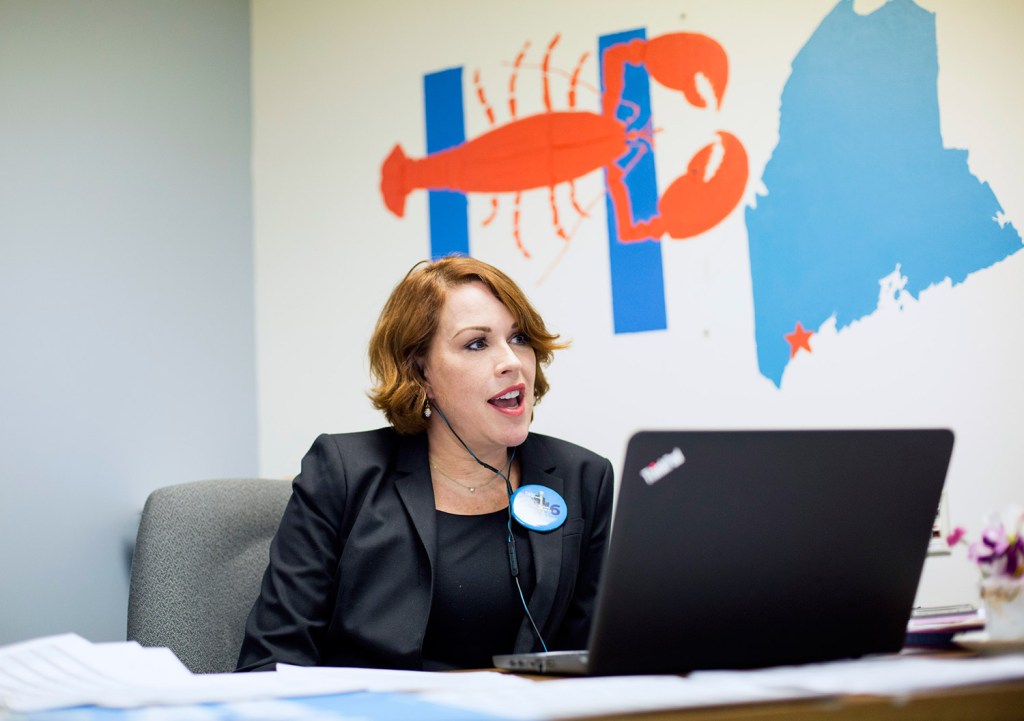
398	548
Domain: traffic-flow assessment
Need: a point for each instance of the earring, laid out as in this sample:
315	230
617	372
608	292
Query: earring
426	408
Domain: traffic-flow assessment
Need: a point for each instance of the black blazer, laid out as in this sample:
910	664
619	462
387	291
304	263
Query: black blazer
350	581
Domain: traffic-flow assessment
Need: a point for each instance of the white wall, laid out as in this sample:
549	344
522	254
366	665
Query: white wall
336	85
127	352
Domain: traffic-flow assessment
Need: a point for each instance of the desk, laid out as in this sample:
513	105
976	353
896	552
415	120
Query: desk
998	702
451	697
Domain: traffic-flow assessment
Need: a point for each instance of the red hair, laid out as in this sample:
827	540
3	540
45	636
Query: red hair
409	320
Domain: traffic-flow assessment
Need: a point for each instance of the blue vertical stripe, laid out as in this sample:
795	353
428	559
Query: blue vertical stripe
449	215
638	282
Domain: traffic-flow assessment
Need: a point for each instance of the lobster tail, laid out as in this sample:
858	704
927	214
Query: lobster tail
392	181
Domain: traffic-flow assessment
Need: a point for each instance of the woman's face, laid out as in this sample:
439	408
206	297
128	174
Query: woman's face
480	370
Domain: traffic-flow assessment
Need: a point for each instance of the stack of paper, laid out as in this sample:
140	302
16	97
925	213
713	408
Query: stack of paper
65	671
936	627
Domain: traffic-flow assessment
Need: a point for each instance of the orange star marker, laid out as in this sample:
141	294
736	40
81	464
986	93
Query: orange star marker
798	339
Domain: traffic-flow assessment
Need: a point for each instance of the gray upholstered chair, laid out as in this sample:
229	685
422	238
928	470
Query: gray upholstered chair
199	557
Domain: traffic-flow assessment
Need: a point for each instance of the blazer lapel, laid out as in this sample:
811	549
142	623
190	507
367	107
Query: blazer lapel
412	480
538	468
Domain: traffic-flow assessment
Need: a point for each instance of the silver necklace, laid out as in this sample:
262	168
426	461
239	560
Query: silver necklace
471	489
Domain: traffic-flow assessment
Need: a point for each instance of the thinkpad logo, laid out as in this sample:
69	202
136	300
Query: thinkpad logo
656	470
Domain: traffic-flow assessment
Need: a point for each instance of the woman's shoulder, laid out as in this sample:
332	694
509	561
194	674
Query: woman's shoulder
587	476
338	464
378	438
359	450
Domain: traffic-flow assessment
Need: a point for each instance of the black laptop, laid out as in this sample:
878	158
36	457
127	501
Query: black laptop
745	549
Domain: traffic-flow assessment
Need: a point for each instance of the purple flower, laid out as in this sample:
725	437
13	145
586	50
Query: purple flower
981	552
956	536
1015	558
1000	552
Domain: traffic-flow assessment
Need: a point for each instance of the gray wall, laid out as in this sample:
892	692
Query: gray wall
127	347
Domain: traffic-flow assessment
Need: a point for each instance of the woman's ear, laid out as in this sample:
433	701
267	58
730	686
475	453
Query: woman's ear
421	366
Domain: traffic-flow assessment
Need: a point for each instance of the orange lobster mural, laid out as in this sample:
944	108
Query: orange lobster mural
557	147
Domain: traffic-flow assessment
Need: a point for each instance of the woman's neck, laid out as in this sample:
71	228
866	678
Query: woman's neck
446	452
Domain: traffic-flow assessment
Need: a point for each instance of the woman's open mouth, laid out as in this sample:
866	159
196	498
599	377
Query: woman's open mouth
510	399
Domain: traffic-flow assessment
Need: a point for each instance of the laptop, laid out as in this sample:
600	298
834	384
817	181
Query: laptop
747	549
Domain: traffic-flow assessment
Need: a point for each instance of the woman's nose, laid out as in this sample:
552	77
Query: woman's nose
508	359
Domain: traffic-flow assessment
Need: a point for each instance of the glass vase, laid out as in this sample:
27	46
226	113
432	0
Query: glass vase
1004	607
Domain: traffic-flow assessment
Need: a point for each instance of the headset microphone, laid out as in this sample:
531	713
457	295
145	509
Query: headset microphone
513	560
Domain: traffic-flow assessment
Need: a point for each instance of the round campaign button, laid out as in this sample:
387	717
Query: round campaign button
538	508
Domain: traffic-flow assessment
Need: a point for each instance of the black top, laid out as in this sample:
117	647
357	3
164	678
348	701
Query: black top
352	567
476	611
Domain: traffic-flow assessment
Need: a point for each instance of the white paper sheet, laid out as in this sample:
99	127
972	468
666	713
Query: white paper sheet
65	671
368	679
569	698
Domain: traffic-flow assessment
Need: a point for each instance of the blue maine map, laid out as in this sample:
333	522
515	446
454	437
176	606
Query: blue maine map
860	184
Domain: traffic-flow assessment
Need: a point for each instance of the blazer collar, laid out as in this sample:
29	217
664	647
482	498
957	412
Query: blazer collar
539	468
412	480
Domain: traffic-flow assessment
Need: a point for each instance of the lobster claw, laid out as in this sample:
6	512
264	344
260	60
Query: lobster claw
674	60
692	205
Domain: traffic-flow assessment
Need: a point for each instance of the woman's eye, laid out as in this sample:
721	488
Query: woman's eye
520	339
477	344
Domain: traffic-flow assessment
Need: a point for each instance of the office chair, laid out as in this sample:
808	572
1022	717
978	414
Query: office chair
199	558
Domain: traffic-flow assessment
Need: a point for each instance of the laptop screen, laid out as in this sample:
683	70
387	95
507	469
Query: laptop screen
742	549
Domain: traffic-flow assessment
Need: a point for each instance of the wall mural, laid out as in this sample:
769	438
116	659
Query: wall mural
861	192
554	148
